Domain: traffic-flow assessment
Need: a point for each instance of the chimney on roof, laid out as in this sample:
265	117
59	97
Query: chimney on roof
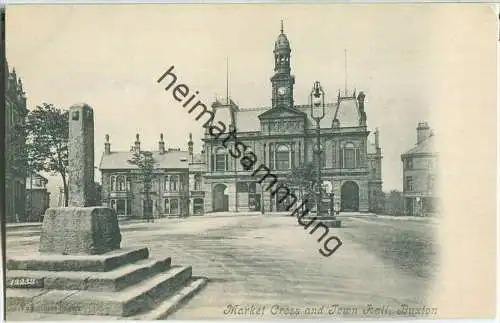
107	146
161	144
137	143
190	147
423	131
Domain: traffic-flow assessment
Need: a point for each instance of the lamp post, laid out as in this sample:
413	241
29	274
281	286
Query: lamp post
318	113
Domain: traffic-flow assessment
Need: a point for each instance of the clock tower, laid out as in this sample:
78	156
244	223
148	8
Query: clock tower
282	80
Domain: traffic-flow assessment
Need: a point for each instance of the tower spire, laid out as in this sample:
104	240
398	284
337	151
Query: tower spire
281	26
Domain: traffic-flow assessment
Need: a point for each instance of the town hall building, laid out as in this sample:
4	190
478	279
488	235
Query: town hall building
283	137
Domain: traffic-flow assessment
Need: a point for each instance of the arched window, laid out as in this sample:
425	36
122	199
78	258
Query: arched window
220	160
349	158
197	182
128	183
249	154
282	157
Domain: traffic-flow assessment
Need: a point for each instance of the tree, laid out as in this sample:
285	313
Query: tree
47	132
378	202
394	203
146	164
304	178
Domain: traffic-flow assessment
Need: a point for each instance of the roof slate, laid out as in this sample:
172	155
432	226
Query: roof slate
247	120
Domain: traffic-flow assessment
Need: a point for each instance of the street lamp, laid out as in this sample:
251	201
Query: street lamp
318	113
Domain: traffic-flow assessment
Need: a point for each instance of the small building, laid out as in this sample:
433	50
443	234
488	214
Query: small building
419	174
176	186
37	197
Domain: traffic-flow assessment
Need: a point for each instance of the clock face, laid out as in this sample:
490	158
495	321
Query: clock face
282	90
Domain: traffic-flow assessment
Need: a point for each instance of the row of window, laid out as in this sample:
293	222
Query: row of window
282	157
119	183
171	206
409	183
171	183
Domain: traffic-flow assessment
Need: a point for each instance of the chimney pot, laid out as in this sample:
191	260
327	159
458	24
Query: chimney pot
161	144
137	146
107	146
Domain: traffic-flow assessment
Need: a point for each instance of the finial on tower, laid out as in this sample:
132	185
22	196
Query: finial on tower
190	137
107	138
137	136
281	26
161	136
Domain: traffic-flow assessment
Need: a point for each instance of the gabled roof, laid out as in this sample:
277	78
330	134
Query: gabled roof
426	146
171	159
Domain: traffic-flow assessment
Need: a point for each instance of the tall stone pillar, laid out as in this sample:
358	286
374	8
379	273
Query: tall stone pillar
81	155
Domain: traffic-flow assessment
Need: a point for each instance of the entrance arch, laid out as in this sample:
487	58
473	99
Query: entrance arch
349	197
220	197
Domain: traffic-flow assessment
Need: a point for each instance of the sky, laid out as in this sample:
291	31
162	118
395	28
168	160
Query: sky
110	56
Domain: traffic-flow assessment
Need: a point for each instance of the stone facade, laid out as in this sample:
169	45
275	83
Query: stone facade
283	137
420	174
177	187
37	197
15	157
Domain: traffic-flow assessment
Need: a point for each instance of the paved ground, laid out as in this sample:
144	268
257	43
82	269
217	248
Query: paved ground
273	264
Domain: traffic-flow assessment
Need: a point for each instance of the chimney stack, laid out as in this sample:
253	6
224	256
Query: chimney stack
190	146
423	131
161	144
377	143
107	146
137	143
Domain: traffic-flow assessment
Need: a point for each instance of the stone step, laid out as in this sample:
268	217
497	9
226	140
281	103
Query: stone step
162	311
114	280
145	295
95	263
171	304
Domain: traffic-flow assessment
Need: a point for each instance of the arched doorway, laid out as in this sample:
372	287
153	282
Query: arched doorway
349	197
220	198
